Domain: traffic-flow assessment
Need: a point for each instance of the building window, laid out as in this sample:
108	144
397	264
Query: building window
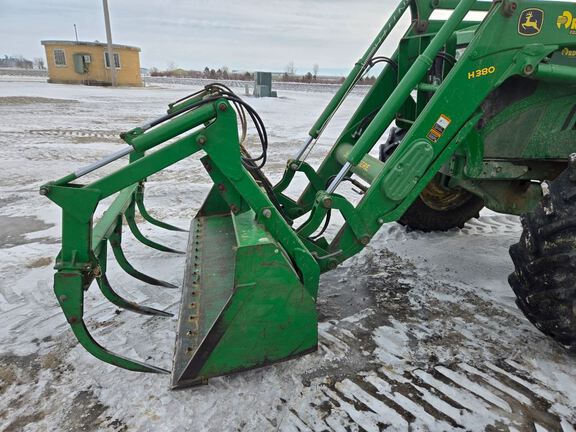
116	60
59	57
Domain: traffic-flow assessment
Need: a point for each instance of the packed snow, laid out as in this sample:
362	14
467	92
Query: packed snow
418	332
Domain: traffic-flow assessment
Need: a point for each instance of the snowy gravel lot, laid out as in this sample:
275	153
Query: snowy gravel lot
418	332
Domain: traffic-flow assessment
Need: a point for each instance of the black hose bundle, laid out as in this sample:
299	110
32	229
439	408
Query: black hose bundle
254	165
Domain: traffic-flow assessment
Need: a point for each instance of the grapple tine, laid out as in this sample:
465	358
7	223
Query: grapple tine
116	243
138	234
98	351
116	299
139	198
70	293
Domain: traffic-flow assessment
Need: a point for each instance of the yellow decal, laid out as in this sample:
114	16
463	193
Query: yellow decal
567	21
438	129
364	165
481	72
567	52
530	22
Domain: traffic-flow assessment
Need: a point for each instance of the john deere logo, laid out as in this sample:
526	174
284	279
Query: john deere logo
566	21
530	21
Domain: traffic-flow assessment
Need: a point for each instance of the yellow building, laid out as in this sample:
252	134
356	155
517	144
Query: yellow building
87	63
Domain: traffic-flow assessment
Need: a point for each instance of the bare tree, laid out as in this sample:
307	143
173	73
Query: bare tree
39	63
315	68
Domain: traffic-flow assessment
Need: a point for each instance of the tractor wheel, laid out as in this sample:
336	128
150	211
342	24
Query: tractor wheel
545	261
438	208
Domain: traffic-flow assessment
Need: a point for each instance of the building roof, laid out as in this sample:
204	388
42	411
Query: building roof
82	43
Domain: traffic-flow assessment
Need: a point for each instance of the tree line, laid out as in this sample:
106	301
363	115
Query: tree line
19	62
224	73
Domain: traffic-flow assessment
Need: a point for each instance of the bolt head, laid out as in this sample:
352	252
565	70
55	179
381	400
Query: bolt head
267	213
294	167
508	9
365	240
327	202
201	140
222	107
43	191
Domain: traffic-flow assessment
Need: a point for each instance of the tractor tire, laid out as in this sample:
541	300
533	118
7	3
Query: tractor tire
437	208
545	261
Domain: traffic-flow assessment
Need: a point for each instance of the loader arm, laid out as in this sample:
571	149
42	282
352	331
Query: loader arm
252	273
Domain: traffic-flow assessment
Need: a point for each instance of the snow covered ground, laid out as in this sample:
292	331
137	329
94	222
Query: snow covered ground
418	332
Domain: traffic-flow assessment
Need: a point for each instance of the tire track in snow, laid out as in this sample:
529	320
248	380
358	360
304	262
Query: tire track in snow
405	380
443	397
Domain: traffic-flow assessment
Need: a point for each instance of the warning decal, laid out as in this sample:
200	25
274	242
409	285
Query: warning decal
438	129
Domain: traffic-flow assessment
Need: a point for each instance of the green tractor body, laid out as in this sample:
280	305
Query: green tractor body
481	113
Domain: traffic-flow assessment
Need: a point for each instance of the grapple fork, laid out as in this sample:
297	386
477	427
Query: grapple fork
248	298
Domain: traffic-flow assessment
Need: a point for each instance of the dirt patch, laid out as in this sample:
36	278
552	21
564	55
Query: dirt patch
349	291
23	421
28	100
40	262
8	377
85	413
18	370
13	230
29	390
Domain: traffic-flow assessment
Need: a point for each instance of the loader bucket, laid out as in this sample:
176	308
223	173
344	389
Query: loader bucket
243	305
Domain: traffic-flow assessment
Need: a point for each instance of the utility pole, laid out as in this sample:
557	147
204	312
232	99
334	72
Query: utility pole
76	32
109	39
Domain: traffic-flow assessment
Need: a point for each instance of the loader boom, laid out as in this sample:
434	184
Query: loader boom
252	275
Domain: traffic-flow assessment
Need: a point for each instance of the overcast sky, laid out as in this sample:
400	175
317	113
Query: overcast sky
249	34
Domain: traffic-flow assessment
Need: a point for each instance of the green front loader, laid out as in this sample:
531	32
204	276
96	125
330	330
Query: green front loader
479	111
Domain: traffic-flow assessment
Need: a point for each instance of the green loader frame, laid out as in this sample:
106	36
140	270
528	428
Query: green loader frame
485	107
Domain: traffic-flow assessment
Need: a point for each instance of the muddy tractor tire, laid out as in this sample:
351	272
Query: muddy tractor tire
437	208
545	261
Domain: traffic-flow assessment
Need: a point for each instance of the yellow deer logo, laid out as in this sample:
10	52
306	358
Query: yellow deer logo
530	22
